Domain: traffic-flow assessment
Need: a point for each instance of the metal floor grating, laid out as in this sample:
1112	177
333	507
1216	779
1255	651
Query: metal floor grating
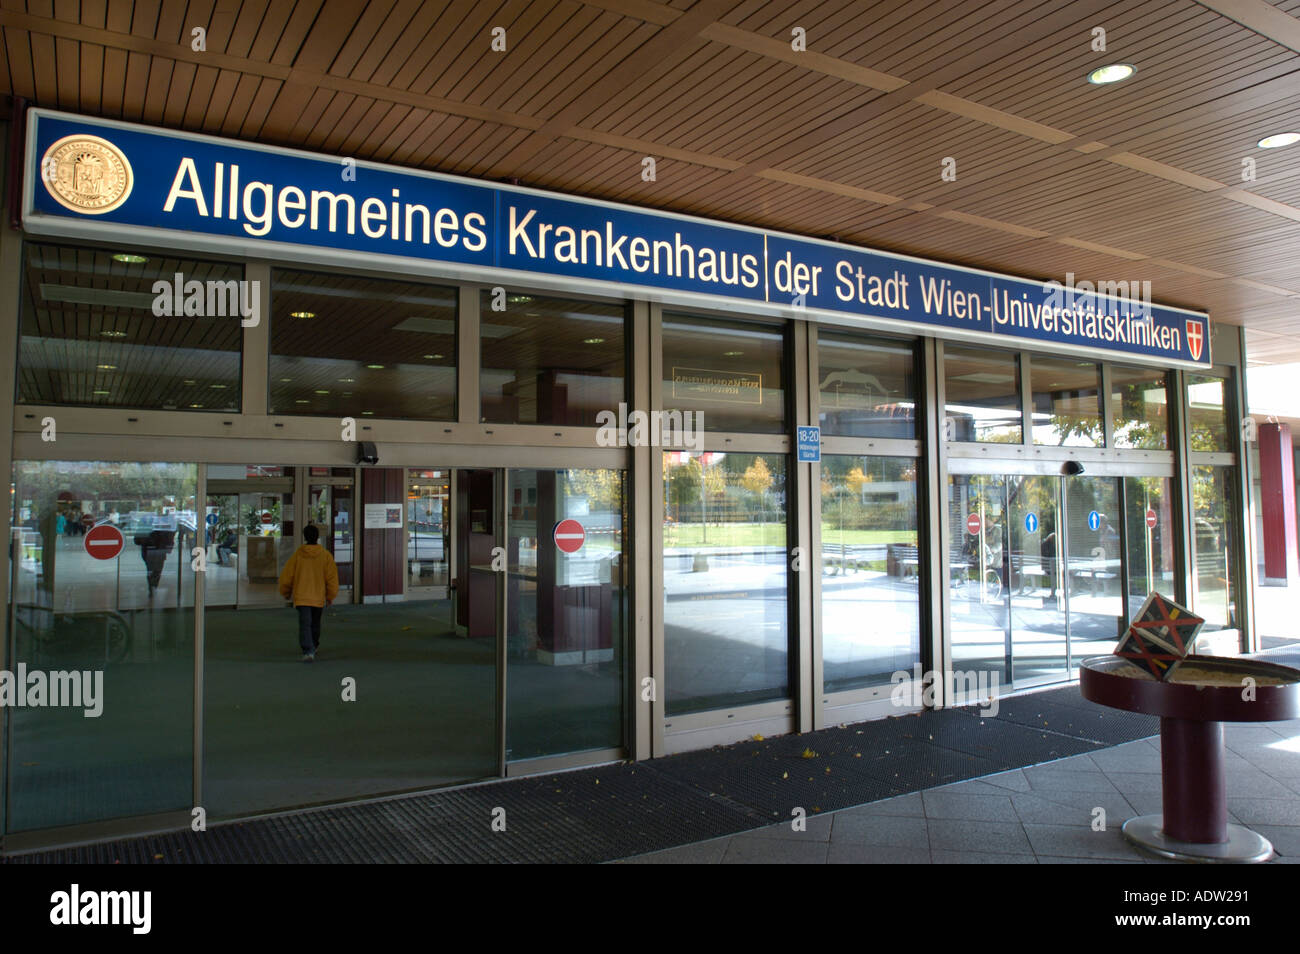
615	811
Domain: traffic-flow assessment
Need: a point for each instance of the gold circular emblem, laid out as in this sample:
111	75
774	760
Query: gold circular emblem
86	174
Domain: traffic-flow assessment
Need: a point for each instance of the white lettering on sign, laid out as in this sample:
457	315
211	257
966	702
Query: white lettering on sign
261	203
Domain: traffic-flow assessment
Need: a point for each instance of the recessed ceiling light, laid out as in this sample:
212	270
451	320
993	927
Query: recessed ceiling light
189	381
302	314
1279	140
285	380
1113	73
593	340
99	392
519	299
375	367
196	405
106	367
347	380
217	387
127	259
302	401
322	392
367	412
732	354
433	357
113	334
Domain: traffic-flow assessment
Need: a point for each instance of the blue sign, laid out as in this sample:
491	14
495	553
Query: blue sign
1031	522
213	519
1094	521
114	181
809	440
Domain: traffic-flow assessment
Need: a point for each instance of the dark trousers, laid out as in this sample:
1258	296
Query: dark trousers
309	627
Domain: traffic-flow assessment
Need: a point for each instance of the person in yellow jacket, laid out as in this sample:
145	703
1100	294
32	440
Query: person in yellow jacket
311	580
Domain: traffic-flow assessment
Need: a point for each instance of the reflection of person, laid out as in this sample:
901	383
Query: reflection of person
311	580
227	545
1109	538
154	547
1047	550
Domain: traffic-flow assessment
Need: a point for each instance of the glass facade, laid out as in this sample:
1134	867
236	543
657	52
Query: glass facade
95	333
1207	413
867	387
871	570
113	629
566	612
982	395
549	360
1066	402
726	580
730	373
345	346
1213	489
1141	408
475	637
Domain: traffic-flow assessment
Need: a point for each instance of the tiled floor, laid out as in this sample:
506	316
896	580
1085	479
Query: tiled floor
1043	814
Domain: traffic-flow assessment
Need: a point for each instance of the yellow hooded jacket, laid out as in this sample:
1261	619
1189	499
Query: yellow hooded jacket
310	578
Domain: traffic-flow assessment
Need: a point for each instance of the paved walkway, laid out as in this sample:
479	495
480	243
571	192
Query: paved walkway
1042	814
1038	815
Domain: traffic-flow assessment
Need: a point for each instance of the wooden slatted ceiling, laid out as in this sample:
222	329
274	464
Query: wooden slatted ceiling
841	140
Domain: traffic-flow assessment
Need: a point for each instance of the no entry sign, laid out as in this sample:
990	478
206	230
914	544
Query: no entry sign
1151	519
104	542
973	524
569	536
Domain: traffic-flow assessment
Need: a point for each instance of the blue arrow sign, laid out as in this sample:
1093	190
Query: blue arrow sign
213	519
1094	521
1031	522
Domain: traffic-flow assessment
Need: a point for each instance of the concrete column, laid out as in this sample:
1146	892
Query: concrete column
1277	503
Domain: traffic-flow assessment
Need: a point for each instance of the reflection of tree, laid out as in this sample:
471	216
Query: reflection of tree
153	485
758	478
713	483
856	479
600	487
1140	423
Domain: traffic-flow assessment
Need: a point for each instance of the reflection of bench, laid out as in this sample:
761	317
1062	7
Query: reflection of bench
1098	574
1028	568
958	565
904	561
842	557
1211	565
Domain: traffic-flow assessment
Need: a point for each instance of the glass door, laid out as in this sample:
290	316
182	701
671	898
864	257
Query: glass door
978	569
395	697
428	534
1149	540
250	530
110	612
330	509
1040	645
1038	571
1095	565
566	606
